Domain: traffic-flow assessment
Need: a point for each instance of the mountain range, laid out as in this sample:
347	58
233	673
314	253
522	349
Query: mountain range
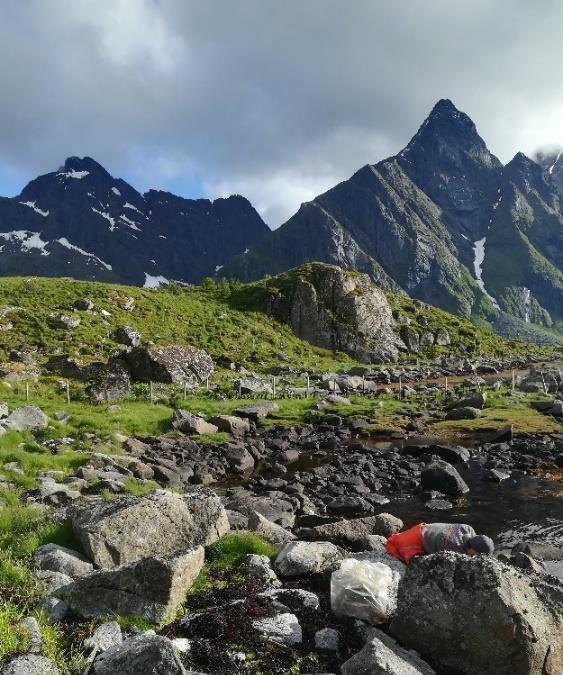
443	221
81	222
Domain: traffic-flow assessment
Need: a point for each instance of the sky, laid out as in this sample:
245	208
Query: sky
277	100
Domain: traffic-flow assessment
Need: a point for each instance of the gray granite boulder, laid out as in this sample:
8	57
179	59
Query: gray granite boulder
139	655
298	558
158	523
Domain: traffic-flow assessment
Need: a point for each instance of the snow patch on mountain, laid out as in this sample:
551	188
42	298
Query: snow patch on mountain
127	205
132	224
36	208
550	170
73	174
107	217
154	282
479	250
27	240
63	241
116	191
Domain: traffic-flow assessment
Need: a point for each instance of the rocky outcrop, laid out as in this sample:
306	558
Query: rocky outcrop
337	310
151	588
176	365
478	615
28	417
159	523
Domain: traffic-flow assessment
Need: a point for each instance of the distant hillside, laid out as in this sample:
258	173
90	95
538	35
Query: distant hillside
230	321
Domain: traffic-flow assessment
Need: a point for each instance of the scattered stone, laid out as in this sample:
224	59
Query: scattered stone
271	532
55	609
258	411
438	505
63	321
239	459
144	653
125	335
14	467
281	629
496	475
33	629
159	523
84	305
328	641
252	384
64	560
191	424
30	664
353	533
465	413
381	655
298	558
26	418
236	426
259	566
475	399
151	588
105	636
175	365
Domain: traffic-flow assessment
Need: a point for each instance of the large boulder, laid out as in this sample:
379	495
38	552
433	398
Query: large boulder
338	310
26	418
475	399
465	413
443	477
381	655
114	386
140	654
258	411
177	365
159	523
478	615
151	588
236	426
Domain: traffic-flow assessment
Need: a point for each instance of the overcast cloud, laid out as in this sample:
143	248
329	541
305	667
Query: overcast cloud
274	99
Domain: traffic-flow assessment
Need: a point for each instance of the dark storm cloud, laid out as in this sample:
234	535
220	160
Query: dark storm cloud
275	99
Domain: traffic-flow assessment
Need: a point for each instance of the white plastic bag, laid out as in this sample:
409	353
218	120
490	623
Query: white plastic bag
364	590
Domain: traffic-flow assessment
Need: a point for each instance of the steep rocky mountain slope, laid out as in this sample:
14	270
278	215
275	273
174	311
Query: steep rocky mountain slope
443	221
83	223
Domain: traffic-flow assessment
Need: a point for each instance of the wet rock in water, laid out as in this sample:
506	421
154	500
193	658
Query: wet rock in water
105	636
281	629
60	559
298	558
353	533
443	477
236	426
151	588
466	413
381	655
270	532
496	475
144	653
258	411
453	454
171	365
478	615
26	418
30	664
158	523
191	424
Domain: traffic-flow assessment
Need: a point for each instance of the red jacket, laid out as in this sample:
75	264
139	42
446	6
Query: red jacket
405	545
